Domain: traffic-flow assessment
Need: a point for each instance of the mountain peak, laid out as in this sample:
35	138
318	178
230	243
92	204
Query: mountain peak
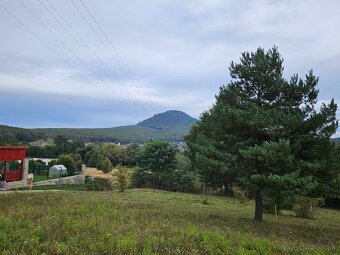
169	120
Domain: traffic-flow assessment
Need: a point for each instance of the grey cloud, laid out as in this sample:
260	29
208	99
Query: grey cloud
178	51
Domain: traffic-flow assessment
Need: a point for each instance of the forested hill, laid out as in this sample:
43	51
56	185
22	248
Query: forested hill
14	135
170	125
169	120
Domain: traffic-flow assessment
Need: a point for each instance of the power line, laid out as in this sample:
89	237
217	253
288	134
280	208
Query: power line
132	102
44	43
125	67
121	61
85	47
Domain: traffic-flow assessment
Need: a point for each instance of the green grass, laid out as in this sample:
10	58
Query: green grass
155	222
42	142
39	178
57	187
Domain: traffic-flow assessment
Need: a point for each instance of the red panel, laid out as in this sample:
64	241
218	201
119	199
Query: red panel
11	176
8	153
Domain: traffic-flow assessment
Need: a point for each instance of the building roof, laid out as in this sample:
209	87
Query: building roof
12	152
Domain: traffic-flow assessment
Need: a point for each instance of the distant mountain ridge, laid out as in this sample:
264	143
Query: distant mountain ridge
12	135
171	125
168	120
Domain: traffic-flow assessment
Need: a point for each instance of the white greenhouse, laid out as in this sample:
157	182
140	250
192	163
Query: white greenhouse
57	171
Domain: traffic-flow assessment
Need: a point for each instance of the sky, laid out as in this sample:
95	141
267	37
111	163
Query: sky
99	63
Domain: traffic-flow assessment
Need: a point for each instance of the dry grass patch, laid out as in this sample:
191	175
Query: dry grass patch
94	172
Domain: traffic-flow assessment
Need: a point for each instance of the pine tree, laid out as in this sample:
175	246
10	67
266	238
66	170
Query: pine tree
264	133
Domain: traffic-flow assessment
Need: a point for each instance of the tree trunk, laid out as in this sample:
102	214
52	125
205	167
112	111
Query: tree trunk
258	206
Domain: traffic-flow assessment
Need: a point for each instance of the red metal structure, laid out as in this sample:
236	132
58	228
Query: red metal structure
12	153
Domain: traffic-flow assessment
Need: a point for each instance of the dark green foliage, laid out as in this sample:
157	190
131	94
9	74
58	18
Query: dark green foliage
68	162
169	120
93	156
185	179
53	162
42	152
37	167
265	135
106	166
157	160
13	135
303	206
129	156
79	165
61	146
117	154
161	167
171	126
141	178
76	156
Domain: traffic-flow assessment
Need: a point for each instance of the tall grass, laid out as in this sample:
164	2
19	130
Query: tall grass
155	222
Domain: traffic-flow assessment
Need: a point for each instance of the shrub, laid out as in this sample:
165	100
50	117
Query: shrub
106	166
205	192
98	184
79	165
68	162
123	178
141	178
240	194
269	204
250	247
303	206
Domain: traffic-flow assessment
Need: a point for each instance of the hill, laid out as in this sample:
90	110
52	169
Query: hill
143	221
170	120
13	135
170	125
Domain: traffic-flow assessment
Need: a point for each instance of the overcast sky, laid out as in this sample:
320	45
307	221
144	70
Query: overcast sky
58	68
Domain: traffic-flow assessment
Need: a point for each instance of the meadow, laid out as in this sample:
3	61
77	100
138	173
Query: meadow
145	221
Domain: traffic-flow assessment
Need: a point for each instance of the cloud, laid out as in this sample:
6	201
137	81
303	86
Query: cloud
178	52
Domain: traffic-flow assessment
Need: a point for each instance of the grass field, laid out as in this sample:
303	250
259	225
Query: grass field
39	178
149	222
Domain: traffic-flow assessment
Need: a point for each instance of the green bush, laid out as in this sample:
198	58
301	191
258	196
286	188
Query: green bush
303	206
79	165
98	184
106	166
240	194
250	247
68	162
123	178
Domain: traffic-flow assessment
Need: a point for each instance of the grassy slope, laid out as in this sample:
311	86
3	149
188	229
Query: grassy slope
154	222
